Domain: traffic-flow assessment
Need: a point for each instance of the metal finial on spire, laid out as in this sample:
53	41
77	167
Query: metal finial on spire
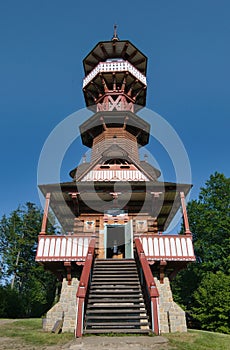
115	37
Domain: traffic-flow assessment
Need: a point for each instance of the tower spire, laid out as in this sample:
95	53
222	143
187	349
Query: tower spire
115	37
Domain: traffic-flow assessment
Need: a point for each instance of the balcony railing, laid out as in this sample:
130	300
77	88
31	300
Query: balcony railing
62	248
168	247
105	67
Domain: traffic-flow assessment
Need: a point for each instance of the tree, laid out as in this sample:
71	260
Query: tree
212	302
209	219
33	286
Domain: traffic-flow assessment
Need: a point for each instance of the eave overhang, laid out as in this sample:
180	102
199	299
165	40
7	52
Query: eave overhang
137	196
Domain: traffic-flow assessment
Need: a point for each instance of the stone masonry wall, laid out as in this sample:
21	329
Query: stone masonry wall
172	317
65	307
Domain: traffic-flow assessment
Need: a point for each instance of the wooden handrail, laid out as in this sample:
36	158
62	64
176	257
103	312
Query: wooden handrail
150	285
83	288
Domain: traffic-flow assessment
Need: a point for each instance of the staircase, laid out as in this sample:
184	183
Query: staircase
115	303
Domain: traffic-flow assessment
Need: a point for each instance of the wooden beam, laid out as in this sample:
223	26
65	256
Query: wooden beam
138	92
97	88
123	83
129	93
98	58
91	64
45	215
185	216
67	265
133	54
106	55
114	47
90	94
106	89
114	82
124	49
141	60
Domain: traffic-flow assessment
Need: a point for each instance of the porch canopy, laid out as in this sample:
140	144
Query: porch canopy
71	199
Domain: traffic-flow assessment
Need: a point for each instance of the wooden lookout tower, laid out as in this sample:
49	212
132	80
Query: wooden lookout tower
113	258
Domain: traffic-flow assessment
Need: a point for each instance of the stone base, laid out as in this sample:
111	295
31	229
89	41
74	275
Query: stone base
65	308
172	316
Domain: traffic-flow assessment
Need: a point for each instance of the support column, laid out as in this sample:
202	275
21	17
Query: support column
185	216
45	215
67	265
163	264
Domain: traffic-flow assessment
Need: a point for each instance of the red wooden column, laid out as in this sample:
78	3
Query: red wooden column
45	215
184	211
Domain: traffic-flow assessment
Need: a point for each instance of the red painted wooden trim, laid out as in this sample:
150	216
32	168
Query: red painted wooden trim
45	215
151	285
83	286
185	216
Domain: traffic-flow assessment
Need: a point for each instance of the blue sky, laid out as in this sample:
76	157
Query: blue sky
42	47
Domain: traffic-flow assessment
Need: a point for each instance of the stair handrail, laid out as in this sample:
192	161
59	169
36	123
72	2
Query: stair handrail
83	288
150	285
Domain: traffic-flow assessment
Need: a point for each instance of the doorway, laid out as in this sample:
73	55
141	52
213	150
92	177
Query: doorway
115	247
118	241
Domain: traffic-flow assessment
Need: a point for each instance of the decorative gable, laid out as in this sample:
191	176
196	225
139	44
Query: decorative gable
115	172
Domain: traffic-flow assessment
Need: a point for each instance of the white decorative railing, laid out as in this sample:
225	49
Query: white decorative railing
168	247
115	175
123	66
62	248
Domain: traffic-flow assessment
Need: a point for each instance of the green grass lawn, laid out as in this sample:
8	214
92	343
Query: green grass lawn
29	331
199	340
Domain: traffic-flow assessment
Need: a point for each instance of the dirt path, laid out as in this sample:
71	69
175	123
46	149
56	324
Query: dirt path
90	343
95	343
